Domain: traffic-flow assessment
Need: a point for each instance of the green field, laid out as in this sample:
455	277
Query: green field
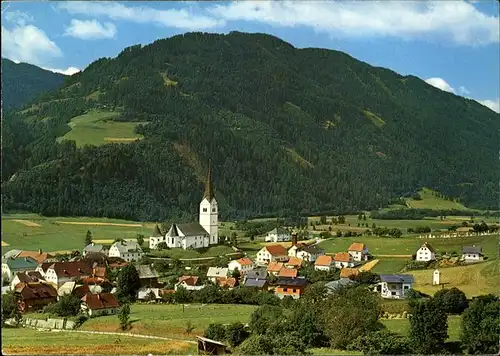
30	341
430	201
170	320
402	326
180	253
390	265
98	128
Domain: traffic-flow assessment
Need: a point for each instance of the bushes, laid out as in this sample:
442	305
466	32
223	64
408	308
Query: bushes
381	342
67	305
234	333
452	300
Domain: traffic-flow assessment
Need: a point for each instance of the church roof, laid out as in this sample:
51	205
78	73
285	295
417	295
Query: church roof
173	231
156	232
191	229
209	189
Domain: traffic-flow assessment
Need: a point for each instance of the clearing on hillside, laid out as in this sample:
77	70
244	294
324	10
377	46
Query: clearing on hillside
27	223
431	201
98	128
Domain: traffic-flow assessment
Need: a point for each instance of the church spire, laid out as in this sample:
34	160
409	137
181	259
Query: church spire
209	189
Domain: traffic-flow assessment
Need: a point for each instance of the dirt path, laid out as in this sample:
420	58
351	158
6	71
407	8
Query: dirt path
124	334
368	266
27	223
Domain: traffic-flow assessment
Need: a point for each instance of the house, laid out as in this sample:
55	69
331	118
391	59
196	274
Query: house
358	251
472	254
97	284
349	272
203	233
425	253
146	293
59	273
288	272
217	272
309	253
276	253
243	265
38	256
278	234
274	268
34	296
333	286
11	266
26	277
210	347
227	283
148	275
293	287
256	278
99	304
324	263
292	251
294	262
94	248
343	259
394	286
127	250
188	283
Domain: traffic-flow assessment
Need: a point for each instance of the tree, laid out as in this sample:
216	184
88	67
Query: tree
128	283
364	217
256	345
322	219
140	239
428	326
235	273
10	308
67	305
124	316
360	216
339	233
235	334
234	239
341	219
452	300
264	316
162	246
315	292
481	325
88	238
215	331
381	342
374	226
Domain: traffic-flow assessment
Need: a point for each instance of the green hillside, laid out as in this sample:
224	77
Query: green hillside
288	131
23	82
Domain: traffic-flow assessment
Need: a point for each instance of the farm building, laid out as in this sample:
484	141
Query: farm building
126	250
34	296
425	253
472	254
210	347
272	253
99	304
358	251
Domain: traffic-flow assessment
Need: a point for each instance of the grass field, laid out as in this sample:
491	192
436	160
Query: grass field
32	342
170	320
430	201
180	253
473	280
402	326
98	128
389	265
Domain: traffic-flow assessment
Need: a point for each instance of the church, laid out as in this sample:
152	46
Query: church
193	235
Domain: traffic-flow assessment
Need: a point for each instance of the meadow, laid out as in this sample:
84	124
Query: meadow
430	201
98	128
33	342
402	326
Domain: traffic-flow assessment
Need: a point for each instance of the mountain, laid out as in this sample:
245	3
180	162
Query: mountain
22	82
287	130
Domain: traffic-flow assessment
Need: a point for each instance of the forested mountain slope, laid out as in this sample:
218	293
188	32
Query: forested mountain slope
288	131
22	82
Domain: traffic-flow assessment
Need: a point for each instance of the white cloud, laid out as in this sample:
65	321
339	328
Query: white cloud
458	21
67	71
440	83
17	17
28	44
90	30
492	104
177	18
463	90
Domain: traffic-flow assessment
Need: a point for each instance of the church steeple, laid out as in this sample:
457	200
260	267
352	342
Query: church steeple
209	189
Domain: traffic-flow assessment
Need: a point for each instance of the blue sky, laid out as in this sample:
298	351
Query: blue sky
454	45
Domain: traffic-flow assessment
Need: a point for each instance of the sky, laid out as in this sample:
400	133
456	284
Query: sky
453	45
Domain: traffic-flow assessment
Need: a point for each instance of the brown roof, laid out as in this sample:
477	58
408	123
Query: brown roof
342	257
35	291
288	272
72	269
80	291
277	250
29	277
348	272
45	265
100	272
429	247
100	301
295	261
36	255
226	282
356	246
94	280
323	261
245	261
190	280
274	266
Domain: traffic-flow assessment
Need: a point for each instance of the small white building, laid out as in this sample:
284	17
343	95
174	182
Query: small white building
394	286
127	250
472	253
309	253
358	251
243	265
435	277
324	263
425	253
278	234
275	253
217	272
343	260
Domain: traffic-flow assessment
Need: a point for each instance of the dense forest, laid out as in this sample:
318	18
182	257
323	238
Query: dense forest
22	82
288	131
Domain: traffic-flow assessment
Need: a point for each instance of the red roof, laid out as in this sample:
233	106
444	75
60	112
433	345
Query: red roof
39	257
226	282
71	269
29	277
190	280
274	266
342	257
356	246
245	261
277	250
295	261
35	291
100	301
348	272
323	261
94	280
288	272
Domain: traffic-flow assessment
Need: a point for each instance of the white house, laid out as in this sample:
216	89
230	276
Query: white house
425	253
394	286
11	266
278	234
156	237
308	253
217	272
343	260
26	277
472	253
92	247
358	251
324	263
243	265
127	250
99	304
188	283
275	253
59	273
